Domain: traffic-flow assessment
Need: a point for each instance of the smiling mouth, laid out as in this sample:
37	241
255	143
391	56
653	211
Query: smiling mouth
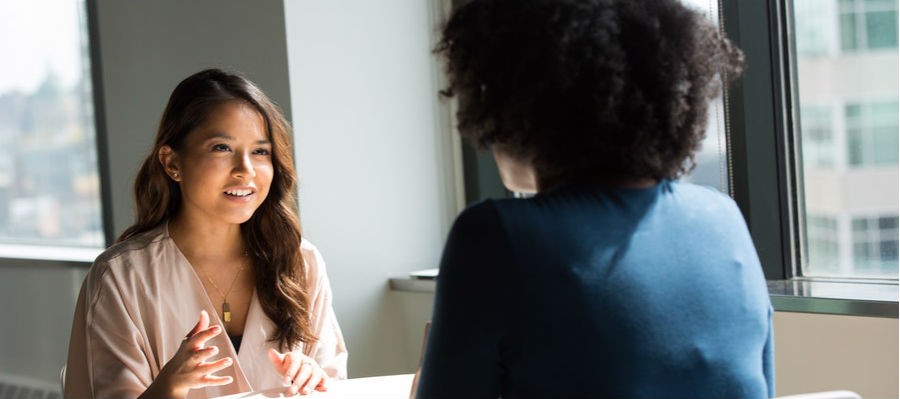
239	193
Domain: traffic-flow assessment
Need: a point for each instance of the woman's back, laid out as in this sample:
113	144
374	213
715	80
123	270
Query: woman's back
587	290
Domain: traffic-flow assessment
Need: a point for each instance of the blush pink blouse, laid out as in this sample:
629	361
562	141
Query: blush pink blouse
139	300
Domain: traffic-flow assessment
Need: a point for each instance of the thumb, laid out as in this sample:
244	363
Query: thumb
277	359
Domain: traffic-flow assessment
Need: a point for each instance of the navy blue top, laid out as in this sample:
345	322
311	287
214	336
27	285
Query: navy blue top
598	292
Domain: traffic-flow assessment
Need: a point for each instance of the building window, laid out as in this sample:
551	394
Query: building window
818	136
868	24
823	244
812	40
848	136
49	184
875	246
872	137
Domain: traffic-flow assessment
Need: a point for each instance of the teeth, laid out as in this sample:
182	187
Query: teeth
238	193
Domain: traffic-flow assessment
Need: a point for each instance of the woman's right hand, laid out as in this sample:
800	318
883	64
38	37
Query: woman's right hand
188	369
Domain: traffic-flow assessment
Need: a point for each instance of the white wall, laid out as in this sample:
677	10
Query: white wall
376	195
815	352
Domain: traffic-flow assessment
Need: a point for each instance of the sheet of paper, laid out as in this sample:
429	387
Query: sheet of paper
388	386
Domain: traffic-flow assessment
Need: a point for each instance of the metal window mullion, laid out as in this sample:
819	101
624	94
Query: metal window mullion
103	169
760	117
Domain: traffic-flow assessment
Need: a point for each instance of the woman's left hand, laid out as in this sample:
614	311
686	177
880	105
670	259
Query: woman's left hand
299	370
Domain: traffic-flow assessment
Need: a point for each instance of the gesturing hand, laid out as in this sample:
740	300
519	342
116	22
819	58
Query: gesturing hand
188	369
299	370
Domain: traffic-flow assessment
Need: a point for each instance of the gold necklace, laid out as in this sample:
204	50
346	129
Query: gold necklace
226	308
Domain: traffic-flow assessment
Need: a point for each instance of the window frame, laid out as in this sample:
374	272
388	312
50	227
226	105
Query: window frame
103	163
766	163
54	255
759	102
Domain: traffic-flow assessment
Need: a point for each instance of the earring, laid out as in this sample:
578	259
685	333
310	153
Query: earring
174	175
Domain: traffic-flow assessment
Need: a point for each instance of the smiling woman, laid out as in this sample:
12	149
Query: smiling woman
214	199
226	164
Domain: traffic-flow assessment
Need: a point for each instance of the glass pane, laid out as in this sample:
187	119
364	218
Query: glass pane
888	223
886	142
881	29
848	32
856	81
818	147
49	185
712	159
889	251
855	147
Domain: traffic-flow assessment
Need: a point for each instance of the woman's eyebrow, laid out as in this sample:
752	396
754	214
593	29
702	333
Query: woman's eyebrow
225	136
219	135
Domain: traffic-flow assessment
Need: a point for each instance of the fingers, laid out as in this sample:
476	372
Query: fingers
300	371
307	378
198	340
277	360
200	355
214	380
292	365
323	383
203	373
202	324
318	380
213	367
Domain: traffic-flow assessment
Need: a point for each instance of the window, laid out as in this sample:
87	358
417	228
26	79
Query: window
812	40
818	143
712	159
872	137
824	243
49	184
868	24
813	134
848	136
875	246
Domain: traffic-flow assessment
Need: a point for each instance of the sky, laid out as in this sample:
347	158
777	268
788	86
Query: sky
37	36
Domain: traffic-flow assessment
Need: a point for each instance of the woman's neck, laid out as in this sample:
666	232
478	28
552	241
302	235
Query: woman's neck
206	241
545	183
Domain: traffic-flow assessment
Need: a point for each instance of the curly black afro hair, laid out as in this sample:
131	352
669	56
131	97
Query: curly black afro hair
587	87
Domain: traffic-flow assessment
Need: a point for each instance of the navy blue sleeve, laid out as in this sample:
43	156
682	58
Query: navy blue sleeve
462	356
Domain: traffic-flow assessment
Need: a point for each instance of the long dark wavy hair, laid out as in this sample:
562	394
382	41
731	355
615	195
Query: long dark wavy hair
587	87
273	234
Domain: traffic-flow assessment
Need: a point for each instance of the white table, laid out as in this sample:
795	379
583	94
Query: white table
388	386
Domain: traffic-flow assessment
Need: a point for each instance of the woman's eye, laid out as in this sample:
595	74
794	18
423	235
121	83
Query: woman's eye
261	151
220	148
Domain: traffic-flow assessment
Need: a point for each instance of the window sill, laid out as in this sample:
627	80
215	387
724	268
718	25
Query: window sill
870	299
78	255
840	297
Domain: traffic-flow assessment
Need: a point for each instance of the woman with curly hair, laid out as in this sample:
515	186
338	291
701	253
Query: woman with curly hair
615	279
216	246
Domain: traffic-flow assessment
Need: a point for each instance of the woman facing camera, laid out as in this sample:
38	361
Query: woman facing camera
213	291
615	279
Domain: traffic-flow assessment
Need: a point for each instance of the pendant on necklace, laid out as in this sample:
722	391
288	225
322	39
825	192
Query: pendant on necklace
226	312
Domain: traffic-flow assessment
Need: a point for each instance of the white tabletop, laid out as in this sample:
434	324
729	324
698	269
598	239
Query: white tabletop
388	386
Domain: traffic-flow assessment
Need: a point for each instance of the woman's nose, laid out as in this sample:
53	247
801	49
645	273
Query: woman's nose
244	167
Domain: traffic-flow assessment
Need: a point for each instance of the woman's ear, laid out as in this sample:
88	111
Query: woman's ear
168	158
